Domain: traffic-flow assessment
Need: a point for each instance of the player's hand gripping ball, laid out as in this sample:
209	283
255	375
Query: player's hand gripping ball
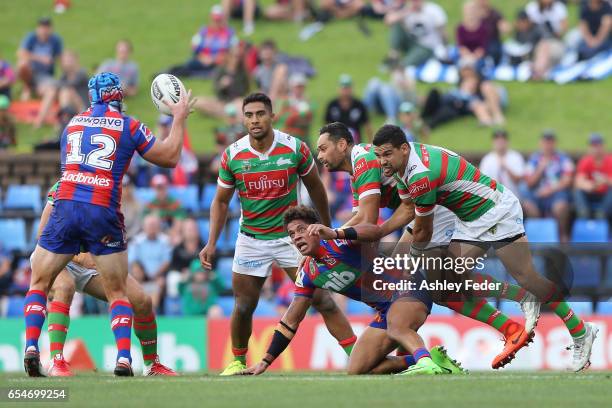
166	88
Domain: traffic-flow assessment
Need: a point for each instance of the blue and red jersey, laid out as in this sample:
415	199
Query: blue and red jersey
339	267
96	149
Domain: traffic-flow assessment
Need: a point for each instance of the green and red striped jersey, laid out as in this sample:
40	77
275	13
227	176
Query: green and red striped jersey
368	179
266	182
435	175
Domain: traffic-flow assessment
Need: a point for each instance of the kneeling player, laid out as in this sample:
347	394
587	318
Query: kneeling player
81	276
338	253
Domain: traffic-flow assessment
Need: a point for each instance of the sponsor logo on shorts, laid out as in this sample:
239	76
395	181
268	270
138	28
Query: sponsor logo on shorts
267	185
248	263
418	187
493	230
104	122
89	179
108	241
519	221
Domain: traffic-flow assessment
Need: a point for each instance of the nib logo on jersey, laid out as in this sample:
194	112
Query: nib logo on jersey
91	179
267	185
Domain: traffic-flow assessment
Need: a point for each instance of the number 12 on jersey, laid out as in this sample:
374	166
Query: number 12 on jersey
98	158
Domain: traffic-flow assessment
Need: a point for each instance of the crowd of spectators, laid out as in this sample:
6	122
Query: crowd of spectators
165	238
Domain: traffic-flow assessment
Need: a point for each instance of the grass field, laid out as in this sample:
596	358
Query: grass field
503	389
161	35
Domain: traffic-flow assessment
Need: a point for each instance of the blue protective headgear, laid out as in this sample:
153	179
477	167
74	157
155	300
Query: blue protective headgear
105	87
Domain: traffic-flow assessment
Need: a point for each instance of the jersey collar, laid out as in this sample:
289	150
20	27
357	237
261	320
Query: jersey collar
264	156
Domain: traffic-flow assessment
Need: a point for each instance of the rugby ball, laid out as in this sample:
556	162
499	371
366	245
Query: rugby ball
166	87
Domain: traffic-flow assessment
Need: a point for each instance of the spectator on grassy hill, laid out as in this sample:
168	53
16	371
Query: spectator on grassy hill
132	209
418	32
349	110
548	179
386	97
209	45
72	86
199	290
36	58
150	251
7	78
378	9
527	35
8	129
341	9
504	164
123	66
411	123
595	27
593	185
473	33
551	17
70	90
166	207
294	113
473	95
230	84
286	10
246	10
270	75
497	26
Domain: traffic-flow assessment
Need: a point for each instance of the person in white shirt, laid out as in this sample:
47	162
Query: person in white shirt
503	164
417	32
550	16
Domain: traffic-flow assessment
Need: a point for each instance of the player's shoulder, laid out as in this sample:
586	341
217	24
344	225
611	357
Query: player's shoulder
238	146
285	139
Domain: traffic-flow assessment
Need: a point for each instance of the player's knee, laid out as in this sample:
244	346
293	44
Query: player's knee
245	306
142	304
63	291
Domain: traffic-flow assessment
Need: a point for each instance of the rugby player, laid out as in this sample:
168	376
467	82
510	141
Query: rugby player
265	166
373	190
488	215
96	148
80	276
336	263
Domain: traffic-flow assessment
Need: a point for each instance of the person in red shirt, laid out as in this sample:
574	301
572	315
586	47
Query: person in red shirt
592	188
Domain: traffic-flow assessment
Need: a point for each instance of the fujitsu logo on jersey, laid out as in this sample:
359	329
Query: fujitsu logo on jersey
418	187
267	185
86	178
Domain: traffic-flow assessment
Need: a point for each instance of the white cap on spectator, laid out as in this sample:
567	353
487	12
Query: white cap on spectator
297	79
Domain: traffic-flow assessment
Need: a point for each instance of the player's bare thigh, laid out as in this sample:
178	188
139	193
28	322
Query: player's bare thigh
46	265
63	288
370	350
516	258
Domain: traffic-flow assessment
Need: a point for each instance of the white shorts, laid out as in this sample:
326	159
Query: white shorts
504	220
81	275
254	257
443	227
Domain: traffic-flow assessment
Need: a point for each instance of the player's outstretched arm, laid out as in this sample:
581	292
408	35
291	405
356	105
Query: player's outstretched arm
363	232
218	217
285	330
401	217
167	152
318	195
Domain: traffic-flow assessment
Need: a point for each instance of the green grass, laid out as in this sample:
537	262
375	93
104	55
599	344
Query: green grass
503	389
161	32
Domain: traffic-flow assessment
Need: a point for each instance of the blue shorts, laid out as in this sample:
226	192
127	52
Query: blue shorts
423	296
76	227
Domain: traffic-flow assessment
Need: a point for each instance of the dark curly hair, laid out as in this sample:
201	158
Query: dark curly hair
258	97
301	213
